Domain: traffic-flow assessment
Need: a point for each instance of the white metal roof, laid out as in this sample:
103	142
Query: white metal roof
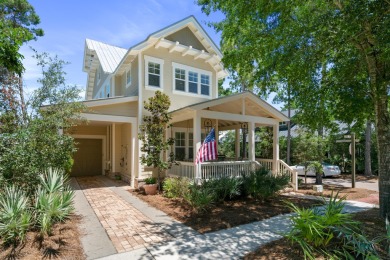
109	56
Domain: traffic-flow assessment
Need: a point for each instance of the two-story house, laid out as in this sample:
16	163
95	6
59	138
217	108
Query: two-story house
183	62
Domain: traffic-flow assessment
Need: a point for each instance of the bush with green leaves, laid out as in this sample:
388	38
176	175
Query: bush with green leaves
15	215
200	197
53	200
224	187
261	184
150	180
329	232
175	187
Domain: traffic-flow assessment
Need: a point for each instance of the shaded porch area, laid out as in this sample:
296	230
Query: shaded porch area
242	113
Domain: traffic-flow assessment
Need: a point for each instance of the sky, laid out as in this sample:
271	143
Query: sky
122	23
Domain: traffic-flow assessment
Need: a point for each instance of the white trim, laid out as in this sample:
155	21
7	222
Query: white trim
109	101
158	61
113	133
103	138
236	117
187	69
108	118
139	118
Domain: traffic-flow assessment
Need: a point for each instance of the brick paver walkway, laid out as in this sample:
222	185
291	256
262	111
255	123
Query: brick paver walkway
126	226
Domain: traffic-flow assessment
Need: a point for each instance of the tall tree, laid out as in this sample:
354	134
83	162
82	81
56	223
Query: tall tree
348	41
18	25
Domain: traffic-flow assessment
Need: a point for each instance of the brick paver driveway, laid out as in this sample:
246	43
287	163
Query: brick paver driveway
127	227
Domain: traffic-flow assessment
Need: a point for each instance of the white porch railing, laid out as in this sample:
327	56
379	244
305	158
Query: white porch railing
183	169
266	163
281	167
214	170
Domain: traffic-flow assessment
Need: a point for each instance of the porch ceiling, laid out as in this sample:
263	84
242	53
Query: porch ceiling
232	110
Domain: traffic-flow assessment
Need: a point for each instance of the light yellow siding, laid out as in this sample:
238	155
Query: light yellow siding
177	100
88	130
124	109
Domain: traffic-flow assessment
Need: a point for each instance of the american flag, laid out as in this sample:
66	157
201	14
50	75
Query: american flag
208	150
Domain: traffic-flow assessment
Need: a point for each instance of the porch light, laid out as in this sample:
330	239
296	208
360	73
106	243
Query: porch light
244	128
207	125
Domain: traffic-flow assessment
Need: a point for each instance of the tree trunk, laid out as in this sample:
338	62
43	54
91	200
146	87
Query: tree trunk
383	142
367	150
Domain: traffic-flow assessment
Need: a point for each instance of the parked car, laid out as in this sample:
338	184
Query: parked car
329	170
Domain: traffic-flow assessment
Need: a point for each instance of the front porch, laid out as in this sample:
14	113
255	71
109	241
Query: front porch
241	113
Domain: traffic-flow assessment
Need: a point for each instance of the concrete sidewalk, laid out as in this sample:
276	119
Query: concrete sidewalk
231	243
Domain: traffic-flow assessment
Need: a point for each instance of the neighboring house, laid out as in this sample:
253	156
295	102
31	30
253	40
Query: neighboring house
183	62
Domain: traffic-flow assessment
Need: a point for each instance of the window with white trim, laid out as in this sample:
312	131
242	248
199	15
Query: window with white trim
153	73
190	145
205	85
128	78
191	81
180	79
180	145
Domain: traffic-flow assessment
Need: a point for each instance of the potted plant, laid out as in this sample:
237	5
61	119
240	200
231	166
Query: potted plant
150	186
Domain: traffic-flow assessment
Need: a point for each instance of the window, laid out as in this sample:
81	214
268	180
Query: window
180	145
128	78
108	90
190	145
191	81
153	73
180	79
205	84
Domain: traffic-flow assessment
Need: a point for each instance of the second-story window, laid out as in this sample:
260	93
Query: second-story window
128	78
191	81
153	73
205	85
180	79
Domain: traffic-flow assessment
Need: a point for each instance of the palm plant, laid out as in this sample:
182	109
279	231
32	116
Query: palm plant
53	200
15	215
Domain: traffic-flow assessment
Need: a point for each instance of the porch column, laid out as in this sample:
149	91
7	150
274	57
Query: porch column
237	146
134	152
251	140
275	145
197	141
113	148
216	133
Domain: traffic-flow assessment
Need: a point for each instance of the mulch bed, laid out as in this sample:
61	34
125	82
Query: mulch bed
282	249
64	243
226	215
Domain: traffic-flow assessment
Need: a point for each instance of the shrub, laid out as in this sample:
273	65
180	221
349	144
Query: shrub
175	187
261	184
225	187
150	180
200	197
53	200
330	232
15	216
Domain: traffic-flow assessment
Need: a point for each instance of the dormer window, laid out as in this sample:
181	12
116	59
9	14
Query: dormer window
128	78
153	73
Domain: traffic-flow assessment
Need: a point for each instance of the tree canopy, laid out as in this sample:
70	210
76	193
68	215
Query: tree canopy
18	25
335	56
